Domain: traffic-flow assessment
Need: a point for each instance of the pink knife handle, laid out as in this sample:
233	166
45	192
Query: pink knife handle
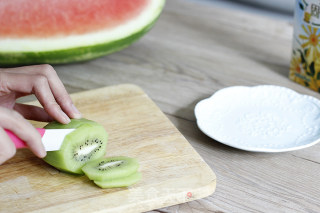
18	142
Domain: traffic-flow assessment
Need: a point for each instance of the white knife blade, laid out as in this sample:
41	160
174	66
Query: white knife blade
52	138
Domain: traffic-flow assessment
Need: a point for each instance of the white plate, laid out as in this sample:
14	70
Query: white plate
262	118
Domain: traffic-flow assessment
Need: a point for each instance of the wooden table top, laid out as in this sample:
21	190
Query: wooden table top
194	50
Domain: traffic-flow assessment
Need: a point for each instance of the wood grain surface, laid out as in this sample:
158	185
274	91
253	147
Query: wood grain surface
194	50
172	171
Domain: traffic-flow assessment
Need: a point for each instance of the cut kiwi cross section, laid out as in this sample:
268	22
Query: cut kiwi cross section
113	172
119	182
106	169
87	142
84	152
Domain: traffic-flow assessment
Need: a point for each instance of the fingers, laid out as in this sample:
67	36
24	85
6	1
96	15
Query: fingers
7	148
13	121
59	92
56	86
33	113
42	91
38	85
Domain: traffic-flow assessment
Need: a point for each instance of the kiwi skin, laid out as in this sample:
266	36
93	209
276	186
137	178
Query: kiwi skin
74	124
85	130
119	182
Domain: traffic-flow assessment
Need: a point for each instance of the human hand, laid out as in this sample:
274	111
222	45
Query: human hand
44	83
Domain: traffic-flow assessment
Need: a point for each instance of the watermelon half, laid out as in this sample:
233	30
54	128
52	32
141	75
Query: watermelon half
58	31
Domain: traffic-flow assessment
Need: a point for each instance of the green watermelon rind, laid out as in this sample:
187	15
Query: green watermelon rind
78	54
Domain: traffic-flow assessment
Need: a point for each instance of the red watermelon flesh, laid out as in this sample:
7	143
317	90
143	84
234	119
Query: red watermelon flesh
48	18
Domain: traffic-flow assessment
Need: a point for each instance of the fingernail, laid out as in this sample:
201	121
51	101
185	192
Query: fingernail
76	113
65	117
42	153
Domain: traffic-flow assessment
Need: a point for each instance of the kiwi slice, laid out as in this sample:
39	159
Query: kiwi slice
87	142
119	182
107	169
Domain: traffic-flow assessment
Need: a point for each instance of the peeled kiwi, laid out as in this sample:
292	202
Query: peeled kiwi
86	143
111	169
119	182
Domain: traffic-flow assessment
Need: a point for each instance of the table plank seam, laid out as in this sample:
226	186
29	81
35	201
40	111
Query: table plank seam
306	159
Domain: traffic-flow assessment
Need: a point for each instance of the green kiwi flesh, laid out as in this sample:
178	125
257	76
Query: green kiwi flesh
109	169
86	143
119	182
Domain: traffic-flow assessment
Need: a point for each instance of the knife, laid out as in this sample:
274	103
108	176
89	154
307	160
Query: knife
51	138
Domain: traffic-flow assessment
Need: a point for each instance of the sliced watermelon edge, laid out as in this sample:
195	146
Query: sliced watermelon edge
69	55
77	54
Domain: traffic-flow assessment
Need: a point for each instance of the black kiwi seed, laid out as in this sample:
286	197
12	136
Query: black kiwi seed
108	167
87	142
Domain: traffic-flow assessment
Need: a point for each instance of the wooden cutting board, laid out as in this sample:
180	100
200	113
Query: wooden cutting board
173	172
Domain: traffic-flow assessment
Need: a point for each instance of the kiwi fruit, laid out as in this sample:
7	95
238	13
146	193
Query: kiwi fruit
86	143
112	168
119	182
